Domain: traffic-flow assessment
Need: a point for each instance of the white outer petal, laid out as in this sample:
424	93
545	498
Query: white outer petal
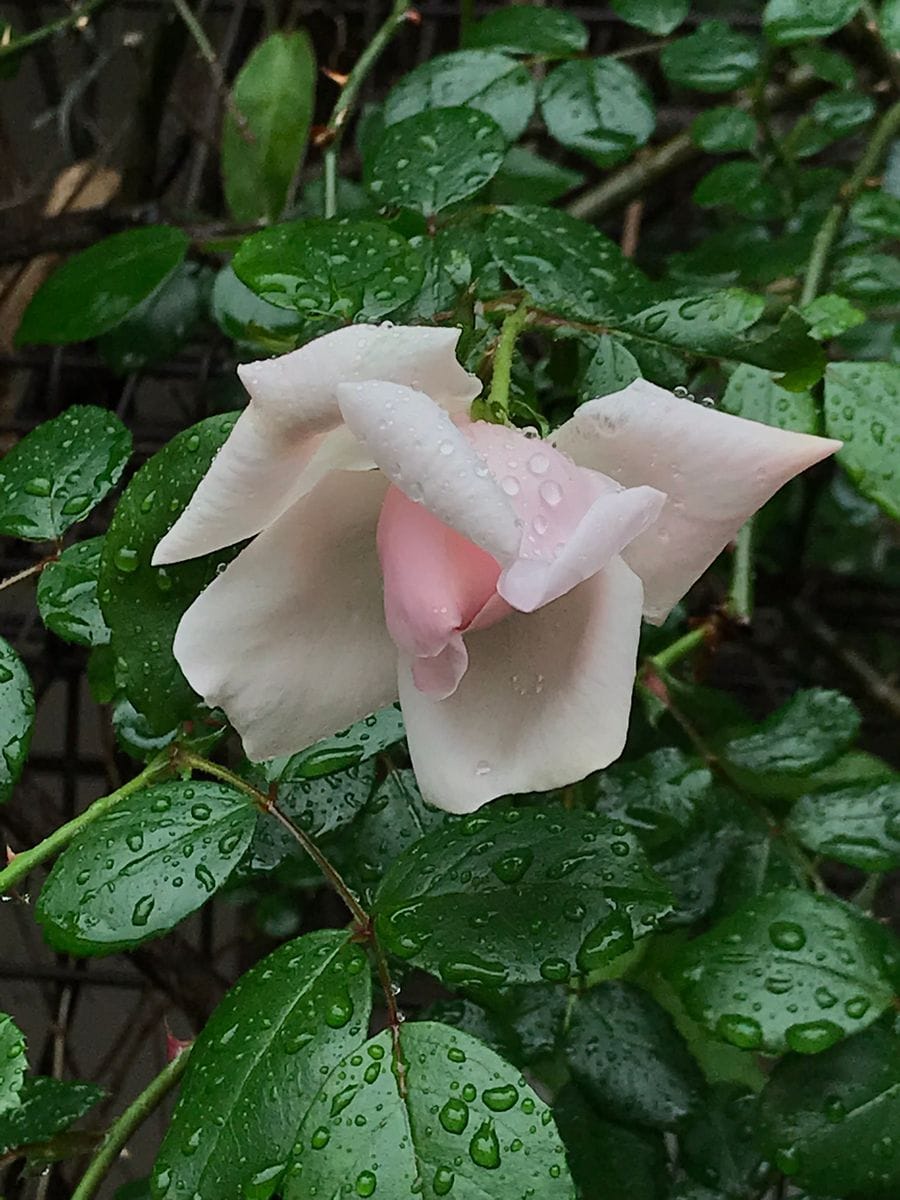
716	469
545	701
290	640
289	436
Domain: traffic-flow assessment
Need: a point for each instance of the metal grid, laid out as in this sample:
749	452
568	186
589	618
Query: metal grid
103	1019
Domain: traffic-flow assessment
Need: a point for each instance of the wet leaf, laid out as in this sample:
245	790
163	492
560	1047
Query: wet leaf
753	393
16	718
142	867
255	1069
831	1124
67	595
94	290
45	1108
246	319
161	324
56	474
857	825
611	367
526	178
724	130
332	272
352	746
130	586
788	971
861	410
717	1144
626	1054
435	158
528	29
484	80
714	59
656	16
478	904
13	1063
599	108
274	93
788	21
462	1128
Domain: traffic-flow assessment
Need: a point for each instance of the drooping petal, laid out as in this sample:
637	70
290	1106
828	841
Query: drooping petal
716	470
293	420
427	457
545	700
290	640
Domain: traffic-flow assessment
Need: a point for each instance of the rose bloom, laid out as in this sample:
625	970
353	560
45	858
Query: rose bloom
494	581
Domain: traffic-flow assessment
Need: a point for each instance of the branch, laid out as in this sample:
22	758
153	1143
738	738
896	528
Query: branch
77	18
125	1125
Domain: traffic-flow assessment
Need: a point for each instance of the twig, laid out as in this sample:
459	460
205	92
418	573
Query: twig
884	133
331	136
395	1018
498	397
631	228
740	599
681	648
205	47
27	860
124	1126
34	569
77	18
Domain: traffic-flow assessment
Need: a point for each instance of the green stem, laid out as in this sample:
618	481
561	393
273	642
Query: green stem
124	1126
886	129
267	805
333	133
76	17
740	600
205	46
60	838
680	649
498	397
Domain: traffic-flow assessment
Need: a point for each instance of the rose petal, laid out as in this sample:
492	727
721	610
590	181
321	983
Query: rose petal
424	454
545	700
716	469
259	473
290	640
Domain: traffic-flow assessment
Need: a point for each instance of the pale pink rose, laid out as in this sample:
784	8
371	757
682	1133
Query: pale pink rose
493	581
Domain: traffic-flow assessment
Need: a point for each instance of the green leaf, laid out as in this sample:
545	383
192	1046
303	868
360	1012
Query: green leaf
812	730
67	595
861	410
137	737
149	674
826	64
565	265
717	1146
625	1052
889	24
45	1108
526	178
250	321
435	158
656	16
788	971
741	185
332	272
274	92
55	475
13	1063
145	865
485	80
857	825
16	718
709	324
161	324
599	108
477	904
753	393
871	278
877	212
460	1129
94	290
788	21
839	113
631	1162
394	817
528	29
352	746
723	130
829	316
611	367
830	1124
714	59
255	1069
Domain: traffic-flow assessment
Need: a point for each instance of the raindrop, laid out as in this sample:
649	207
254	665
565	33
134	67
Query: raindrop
366	1183
550	492
141	913
443	1181
454	1116
484	1149
510	485
812	1037
744	1032
500	1099
787	935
